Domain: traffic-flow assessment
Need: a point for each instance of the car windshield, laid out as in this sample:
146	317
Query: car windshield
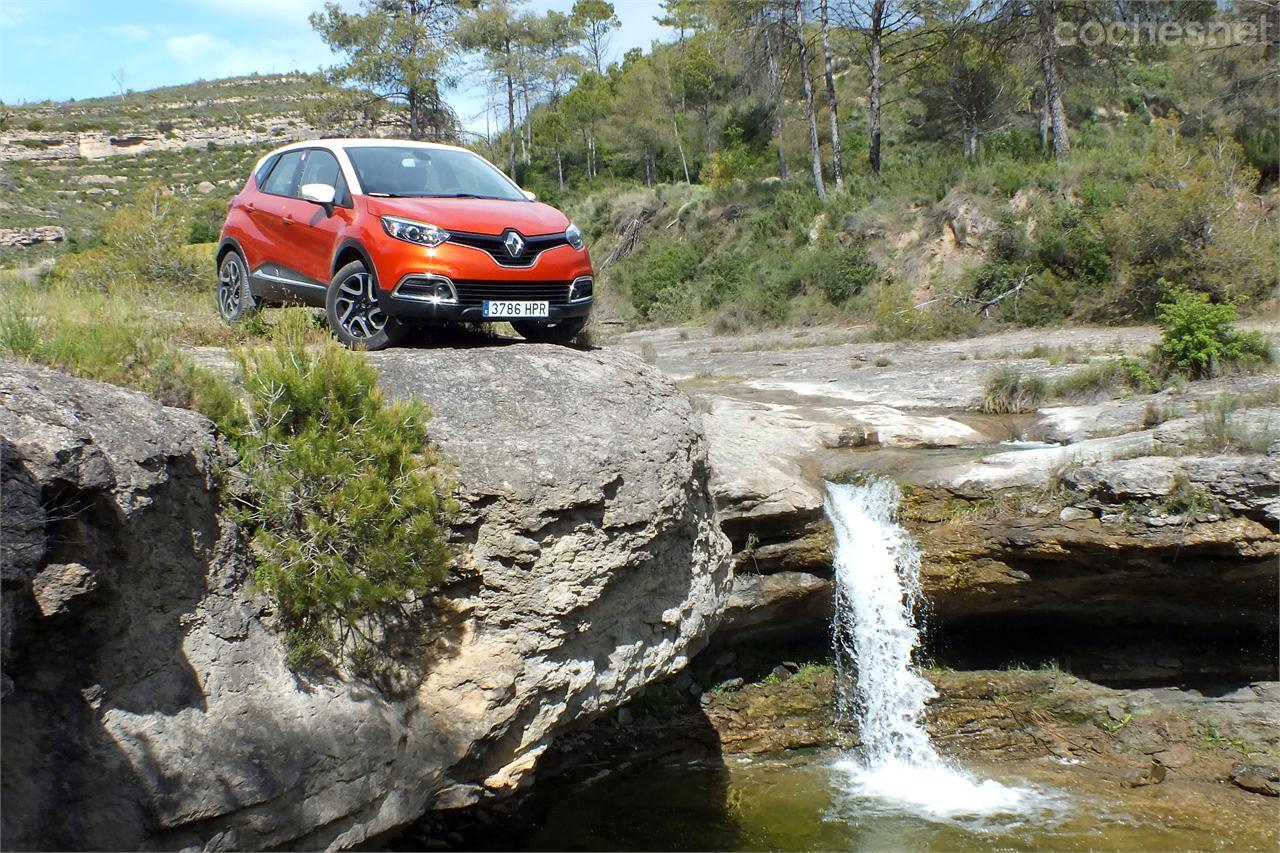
413	171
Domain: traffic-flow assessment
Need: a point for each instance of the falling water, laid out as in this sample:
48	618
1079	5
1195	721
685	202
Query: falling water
877	567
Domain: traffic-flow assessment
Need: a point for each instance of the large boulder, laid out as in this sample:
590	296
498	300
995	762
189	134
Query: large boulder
147	704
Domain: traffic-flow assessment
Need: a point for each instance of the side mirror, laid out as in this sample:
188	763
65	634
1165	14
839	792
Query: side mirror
321	194
531	195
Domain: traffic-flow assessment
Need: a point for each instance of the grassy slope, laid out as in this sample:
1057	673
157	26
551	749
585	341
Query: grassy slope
49	192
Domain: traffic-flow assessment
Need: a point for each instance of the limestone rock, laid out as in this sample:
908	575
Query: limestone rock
155	710
58	586
775	605
1126	479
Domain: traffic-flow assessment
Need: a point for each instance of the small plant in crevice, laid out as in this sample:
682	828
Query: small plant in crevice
1229	427
346	504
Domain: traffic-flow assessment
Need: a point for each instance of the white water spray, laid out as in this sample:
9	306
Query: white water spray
877	568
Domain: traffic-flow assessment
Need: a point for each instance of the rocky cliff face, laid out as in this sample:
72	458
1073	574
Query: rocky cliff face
146	700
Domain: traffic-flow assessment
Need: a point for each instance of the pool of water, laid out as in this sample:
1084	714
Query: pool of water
773	805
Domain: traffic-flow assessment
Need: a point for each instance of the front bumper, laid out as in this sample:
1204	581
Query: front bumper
429	297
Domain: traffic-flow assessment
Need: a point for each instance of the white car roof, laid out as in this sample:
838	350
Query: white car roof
336	145
363	142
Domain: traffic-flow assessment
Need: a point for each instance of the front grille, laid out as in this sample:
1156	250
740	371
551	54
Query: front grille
495	245
476	292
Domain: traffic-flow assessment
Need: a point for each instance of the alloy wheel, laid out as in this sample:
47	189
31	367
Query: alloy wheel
230	286
357	306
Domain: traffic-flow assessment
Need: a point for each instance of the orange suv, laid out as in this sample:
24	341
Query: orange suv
387	234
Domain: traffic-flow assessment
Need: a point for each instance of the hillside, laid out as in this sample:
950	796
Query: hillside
66	163
1171	181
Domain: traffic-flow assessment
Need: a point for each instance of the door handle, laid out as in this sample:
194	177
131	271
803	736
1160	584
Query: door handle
288	219
251	206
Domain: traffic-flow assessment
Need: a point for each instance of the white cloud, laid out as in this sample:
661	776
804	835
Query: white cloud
130	32
194	47
291	10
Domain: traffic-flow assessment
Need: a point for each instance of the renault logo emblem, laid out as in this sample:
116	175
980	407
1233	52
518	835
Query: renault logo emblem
514	243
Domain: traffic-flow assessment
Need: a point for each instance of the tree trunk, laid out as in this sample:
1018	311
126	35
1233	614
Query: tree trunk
837	167
775	93
1044	125
559	169
526	144
415	130
815	152
684	164
970	139
1047	17
511	115
876	73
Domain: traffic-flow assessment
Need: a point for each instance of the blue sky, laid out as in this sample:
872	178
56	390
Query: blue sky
71	48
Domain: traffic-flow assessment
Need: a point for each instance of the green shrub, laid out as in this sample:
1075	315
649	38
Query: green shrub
1198	337
141	243
1192	220
347	502
841	272
662	277
732	163
1008	391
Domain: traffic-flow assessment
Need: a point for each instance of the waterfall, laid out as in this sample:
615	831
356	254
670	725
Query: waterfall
877	575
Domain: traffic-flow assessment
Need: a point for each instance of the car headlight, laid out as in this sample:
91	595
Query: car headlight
574	235
422	233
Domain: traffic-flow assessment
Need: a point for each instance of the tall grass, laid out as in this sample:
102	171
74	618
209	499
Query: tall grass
1008	391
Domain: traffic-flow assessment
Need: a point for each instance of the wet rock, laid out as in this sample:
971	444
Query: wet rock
1151	775
1258	778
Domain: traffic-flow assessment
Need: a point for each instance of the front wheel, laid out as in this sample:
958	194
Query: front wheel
353	311
235	299
549	333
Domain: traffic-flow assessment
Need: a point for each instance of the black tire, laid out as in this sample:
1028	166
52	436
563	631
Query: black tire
235	299
549	333
354	315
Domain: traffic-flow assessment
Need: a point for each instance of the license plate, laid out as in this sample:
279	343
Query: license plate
504	309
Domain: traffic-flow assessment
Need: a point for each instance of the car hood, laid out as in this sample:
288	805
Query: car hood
476	215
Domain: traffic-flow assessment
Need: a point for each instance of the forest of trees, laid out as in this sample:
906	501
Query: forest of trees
1119	147
746	83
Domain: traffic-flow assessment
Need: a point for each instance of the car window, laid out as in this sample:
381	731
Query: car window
394	170
260	176
281	181
319	167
